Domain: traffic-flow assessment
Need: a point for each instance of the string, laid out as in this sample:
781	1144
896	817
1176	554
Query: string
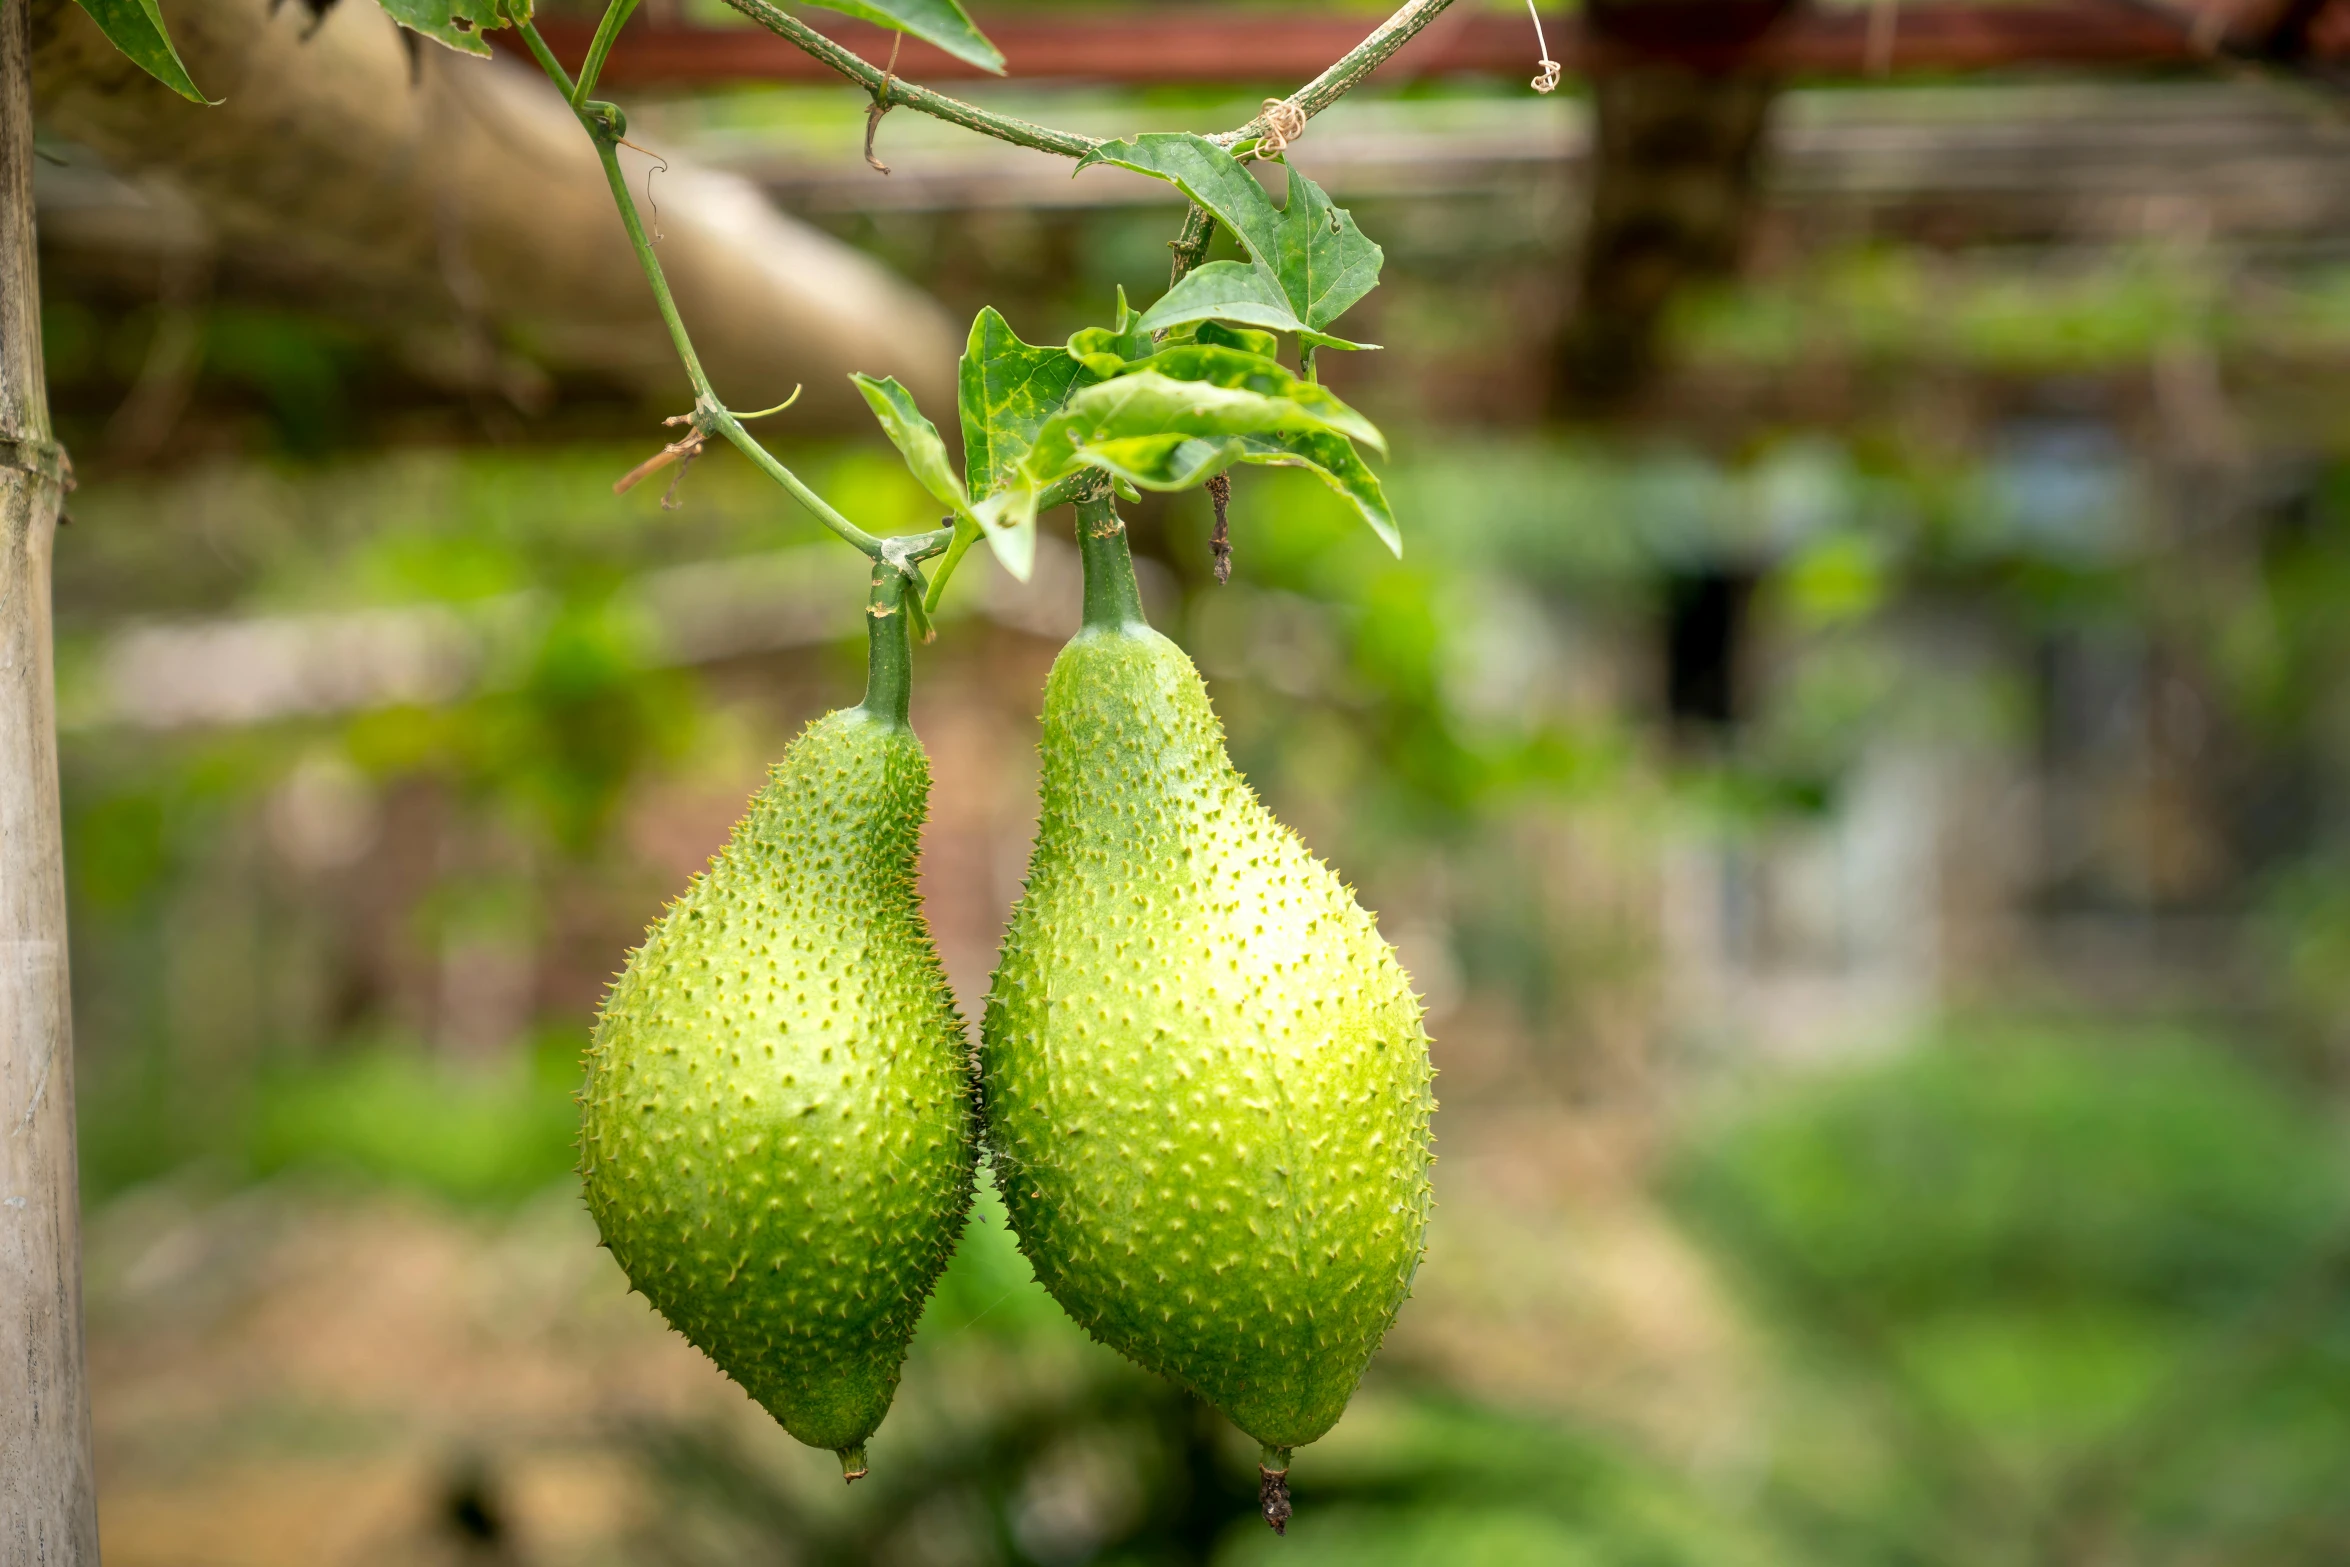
1548	81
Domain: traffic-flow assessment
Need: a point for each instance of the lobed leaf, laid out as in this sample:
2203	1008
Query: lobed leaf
1211	177
1006	392
1008	389
136	28
1325	263
1313	261
941	22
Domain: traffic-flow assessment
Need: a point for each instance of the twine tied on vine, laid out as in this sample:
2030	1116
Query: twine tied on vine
1548	80
1285	122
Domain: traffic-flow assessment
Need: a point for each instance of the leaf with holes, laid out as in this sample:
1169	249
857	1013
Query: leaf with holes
457	24
941	22
136	28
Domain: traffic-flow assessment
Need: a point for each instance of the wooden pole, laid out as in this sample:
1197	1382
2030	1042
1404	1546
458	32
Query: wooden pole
48	1498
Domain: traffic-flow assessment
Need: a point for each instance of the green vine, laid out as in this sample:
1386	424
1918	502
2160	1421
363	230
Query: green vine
1166	399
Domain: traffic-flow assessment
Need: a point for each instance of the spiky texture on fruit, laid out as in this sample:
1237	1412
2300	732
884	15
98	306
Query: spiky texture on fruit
778	1137
1206	1079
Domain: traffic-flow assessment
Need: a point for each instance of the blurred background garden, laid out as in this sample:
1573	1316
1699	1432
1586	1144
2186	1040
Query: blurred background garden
1855	754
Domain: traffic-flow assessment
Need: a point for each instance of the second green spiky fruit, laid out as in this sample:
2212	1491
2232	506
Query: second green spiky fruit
1206	1079
778	1135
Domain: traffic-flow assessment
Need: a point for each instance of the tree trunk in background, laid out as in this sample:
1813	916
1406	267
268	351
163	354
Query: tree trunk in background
455	205
1680	110
48	1500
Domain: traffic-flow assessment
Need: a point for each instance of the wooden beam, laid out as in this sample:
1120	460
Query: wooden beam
1207	45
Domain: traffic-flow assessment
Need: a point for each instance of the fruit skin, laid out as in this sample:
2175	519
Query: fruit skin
778	1133
1205	1075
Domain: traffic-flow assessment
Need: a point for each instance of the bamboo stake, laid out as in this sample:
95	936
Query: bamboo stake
48	1498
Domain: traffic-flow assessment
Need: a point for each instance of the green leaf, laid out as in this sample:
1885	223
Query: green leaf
1148	403
1224	291
458	24
1106	350
1208	175
1310	253
1248	341
1325	340
1007	391
916	439
1337	464
1144	428
1325	263
941	22
1230	367
136	28
1163	462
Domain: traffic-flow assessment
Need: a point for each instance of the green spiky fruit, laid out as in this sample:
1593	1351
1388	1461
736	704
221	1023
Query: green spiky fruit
1205	1075
778	1137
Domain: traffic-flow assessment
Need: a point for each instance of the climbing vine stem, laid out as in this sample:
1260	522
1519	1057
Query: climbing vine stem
1343	76
600	48
606	126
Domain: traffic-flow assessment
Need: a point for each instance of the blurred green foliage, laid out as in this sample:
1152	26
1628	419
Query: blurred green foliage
2047	1292
496	1132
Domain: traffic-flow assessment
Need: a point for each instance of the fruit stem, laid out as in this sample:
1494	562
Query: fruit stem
852	1463
889	654
1113	599
1273	1487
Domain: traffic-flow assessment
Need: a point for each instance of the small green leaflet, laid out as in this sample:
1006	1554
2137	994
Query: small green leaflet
941	22
458	24
916	439
136	28
1309	261
1105	350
